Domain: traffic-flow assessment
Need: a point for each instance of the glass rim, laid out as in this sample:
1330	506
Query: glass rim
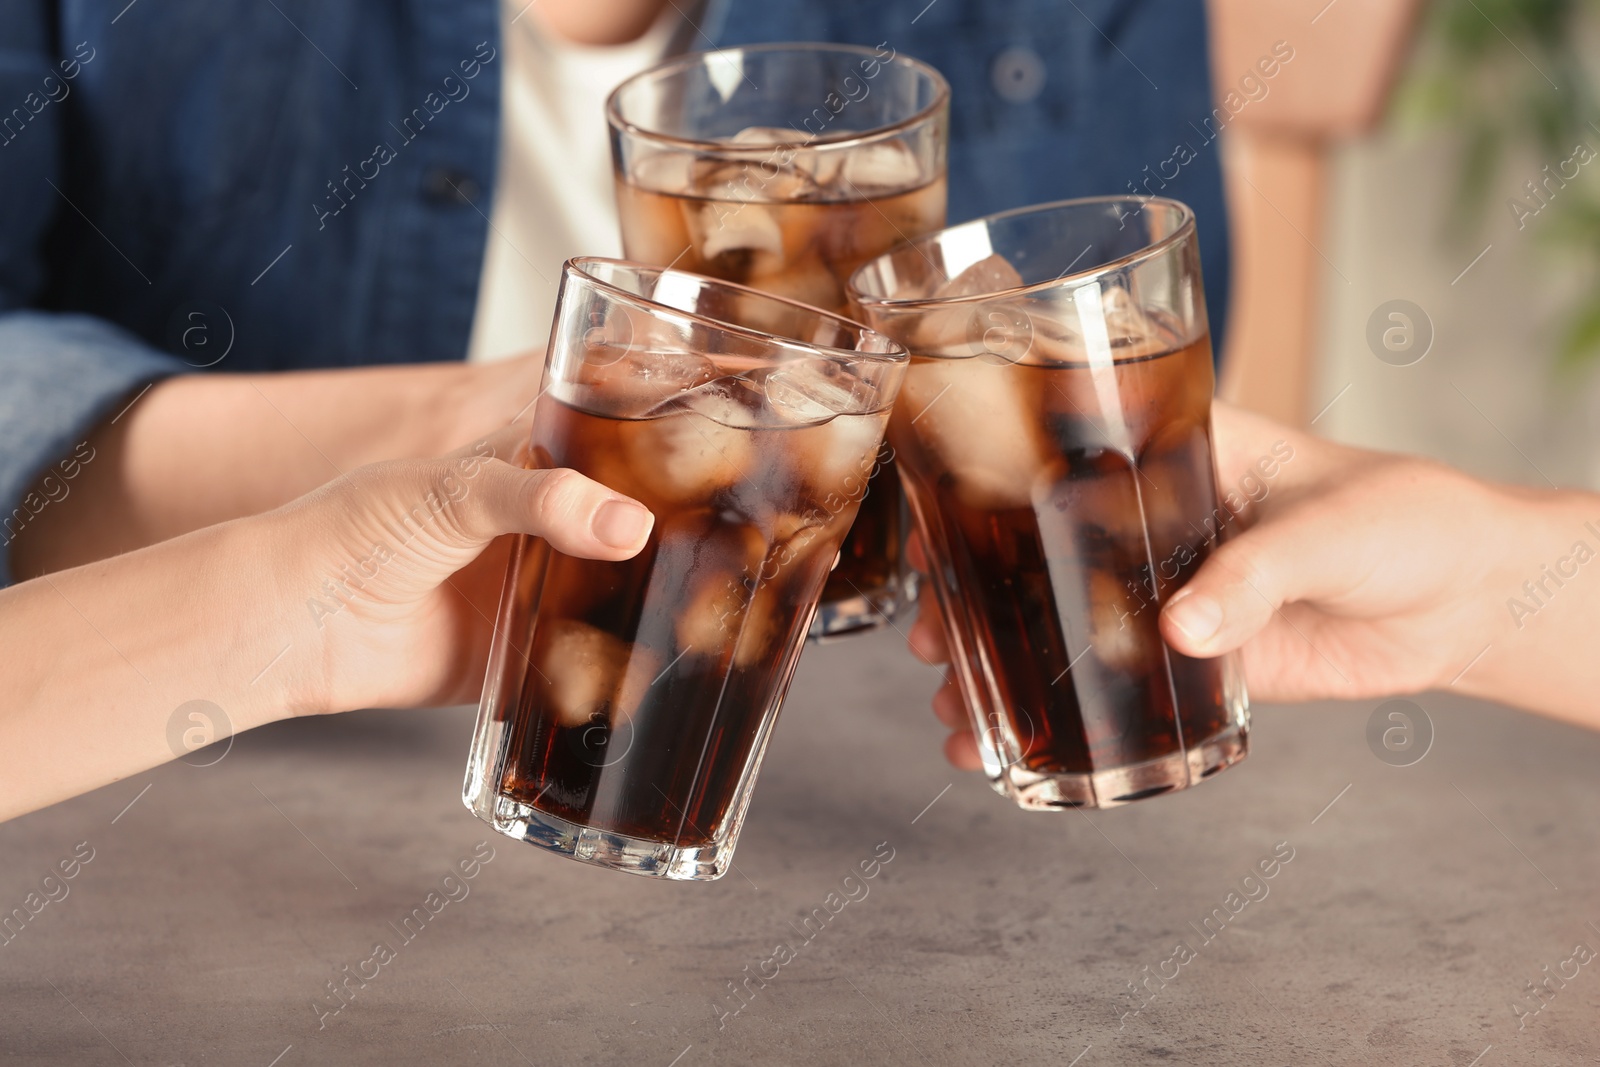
679	64
1184	230
580	266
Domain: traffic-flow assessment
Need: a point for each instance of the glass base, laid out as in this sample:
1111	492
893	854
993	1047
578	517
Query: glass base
635	855
1123	785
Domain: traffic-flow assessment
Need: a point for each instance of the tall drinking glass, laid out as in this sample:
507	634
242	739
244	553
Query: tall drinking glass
627	705
785	167
1054	437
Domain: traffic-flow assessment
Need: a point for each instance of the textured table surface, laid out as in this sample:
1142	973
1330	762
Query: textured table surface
1418	903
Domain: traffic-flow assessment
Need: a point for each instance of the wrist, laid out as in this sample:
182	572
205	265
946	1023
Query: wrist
261	578
131	661
1535	600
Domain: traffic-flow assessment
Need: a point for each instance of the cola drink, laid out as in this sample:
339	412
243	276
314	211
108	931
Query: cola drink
1054	439
627	704
766	222
653	677
1067	555
791	210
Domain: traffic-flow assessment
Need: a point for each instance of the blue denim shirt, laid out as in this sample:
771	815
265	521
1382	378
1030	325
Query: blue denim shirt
249	186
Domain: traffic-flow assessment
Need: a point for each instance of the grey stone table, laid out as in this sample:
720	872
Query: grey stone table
221	901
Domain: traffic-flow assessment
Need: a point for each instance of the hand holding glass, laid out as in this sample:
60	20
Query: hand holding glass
627	705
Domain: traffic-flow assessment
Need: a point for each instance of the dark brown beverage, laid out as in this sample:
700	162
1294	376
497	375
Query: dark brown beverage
1054	438
651	678
1065	524
626	705
775	230
789	223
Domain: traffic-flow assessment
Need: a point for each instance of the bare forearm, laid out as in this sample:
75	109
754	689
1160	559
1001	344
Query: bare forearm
100	659
1541	653
374	591
203	449
1275	193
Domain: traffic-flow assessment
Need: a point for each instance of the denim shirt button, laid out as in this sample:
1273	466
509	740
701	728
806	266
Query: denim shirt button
449	186
1018	74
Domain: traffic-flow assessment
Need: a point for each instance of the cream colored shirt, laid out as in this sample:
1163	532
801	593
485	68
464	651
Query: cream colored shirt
553	190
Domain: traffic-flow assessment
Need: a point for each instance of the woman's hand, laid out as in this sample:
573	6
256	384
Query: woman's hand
1354	574
1350	574
401	565
377	590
